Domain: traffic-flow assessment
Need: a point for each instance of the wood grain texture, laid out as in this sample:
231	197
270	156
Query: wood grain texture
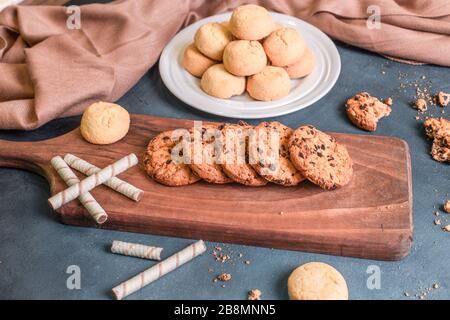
369	218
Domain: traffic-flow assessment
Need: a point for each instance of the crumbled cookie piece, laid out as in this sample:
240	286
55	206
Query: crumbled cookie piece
224	277
438	129
365	111
447	206
440	150
254	294
443	98
421	105
446	228
388	101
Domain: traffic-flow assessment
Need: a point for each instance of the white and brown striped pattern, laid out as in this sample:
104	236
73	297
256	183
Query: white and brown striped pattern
157	271
86	185
114	183
136	250
87	200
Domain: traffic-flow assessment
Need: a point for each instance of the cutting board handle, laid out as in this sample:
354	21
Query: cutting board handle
21	155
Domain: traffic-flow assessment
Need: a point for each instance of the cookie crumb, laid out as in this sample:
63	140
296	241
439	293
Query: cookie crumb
421	105
247	262
388	101
224	277
443	98
406	294
437	222
281	213
447	206
436	286
254	294
446	228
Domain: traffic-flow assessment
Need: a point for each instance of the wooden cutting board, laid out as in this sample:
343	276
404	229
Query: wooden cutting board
369	218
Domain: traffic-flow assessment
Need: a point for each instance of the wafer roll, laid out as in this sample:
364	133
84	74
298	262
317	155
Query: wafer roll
87	200
157	271
86	185
136	250
114	183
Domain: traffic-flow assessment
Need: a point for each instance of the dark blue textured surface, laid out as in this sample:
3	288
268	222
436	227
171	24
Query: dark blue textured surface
35	249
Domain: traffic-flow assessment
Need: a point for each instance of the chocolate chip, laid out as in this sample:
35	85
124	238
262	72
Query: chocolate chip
168	161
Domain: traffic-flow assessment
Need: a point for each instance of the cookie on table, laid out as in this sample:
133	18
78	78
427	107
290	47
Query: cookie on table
440	150
235	155
303	67
251	22
364	111
438	129
320	158
218	82
284	47
104	123
317	281
195	62
271	160
204	155
443	99
161	166
244	57
212	38
270	84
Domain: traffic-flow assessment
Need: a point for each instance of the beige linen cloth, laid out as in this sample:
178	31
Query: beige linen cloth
48	71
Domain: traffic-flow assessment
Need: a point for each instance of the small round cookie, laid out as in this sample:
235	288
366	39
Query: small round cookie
218	82
303	67
284	47
244	57
317	281
211	39
320	158
234	161
251	22
270	84
205	163
160	165
195	62
273	165
104	123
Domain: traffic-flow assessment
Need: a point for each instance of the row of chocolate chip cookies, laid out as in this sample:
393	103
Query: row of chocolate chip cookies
304	153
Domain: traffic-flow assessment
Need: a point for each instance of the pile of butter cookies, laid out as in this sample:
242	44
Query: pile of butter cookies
246	154
248	53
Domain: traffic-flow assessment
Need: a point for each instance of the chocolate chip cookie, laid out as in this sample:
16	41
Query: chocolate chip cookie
270	158
235	155
204	155
320	158
166	164
365	111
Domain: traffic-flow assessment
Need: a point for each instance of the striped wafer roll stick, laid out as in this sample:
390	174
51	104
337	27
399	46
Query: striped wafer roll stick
89	183
158	270
87	200
136	250
114	183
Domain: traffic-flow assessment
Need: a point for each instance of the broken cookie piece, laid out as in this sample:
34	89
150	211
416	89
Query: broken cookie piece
438	129
365	111
421	105
254	294
447	206
443	98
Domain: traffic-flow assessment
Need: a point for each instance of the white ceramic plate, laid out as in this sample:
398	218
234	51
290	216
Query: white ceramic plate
304	91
